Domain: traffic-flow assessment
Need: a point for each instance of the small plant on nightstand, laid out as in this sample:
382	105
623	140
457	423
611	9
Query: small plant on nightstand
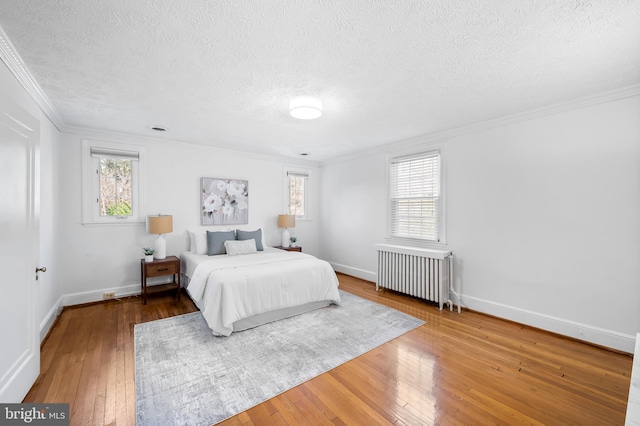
293	241
148	254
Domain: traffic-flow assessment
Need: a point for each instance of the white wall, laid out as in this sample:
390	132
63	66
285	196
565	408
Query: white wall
542	215
107	258
353	214
49	289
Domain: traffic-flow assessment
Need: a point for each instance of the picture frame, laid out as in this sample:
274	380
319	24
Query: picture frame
224	201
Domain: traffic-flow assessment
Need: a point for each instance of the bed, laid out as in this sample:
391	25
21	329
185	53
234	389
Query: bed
239	292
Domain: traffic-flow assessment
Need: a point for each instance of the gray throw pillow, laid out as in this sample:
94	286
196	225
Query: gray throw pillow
215	241
248	235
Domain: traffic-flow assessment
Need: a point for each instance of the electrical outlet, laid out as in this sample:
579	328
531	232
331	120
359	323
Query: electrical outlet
108	295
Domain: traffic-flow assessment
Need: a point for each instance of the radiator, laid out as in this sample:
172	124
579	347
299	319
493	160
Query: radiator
423	273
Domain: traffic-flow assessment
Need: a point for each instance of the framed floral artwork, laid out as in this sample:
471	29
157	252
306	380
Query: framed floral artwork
224	201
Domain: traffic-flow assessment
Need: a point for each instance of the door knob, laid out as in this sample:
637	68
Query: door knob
43	269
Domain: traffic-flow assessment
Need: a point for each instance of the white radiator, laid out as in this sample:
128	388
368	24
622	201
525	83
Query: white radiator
422	273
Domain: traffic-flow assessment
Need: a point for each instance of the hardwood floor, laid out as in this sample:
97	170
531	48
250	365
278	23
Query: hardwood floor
454	370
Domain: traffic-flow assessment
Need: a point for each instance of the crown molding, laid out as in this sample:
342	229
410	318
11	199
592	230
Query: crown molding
9	55
120	137
583	102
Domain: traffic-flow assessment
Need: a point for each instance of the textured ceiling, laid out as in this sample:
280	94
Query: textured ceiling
222	72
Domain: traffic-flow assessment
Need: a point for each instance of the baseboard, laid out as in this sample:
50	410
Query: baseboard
80	298
97	295
588	333
354	272
599	336
50	318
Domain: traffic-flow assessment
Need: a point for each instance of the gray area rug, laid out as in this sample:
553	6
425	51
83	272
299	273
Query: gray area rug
187	376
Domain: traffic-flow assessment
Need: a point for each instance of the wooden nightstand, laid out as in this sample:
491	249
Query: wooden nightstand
158	268
297	248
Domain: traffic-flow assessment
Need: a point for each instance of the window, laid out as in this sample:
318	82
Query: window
115	186
415	197
297	191
111	182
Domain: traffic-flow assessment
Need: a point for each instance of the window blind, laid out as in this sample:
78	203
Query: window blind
415	196
114	153
298	174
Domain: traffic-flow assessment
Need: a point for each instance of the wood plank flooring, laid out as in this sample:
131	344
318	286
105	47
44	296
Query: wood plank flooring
454	370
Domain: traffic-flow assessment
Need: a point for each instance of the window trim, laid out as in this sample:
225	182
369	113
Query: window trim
442	210
90	191
307	191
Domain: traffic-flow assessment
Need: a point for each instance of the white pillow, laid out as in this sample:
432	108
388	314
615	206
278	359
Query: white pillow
235	247
198	242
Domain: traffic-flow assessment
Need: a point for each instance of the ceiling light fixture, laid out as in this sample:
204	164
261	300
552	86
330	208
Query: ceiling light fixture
305	107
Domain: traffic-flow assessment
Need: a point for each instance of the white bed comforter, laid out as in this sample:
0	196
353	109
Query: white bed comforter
236	287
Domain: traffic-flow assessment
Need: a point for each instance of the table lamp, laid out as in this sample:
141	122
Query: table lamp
286	221
161	224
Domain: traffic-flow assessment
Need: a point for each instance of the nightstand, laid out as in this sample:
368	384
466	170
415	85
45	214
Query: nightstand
297	248
158	268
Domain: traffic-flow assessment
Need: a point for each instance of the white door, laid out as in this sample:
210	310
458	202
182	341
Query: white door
19	174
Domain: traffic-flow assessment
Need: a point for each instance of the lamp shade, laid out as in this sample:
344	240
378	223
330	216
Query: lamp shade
161	224
286	221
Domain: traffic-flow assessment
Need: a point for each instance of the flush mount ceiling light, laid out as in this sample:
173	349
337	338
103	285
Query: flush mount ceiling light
305	107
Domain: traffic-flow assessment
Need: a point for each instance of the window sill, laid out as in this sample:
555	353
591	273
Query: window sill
114	223
415	242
